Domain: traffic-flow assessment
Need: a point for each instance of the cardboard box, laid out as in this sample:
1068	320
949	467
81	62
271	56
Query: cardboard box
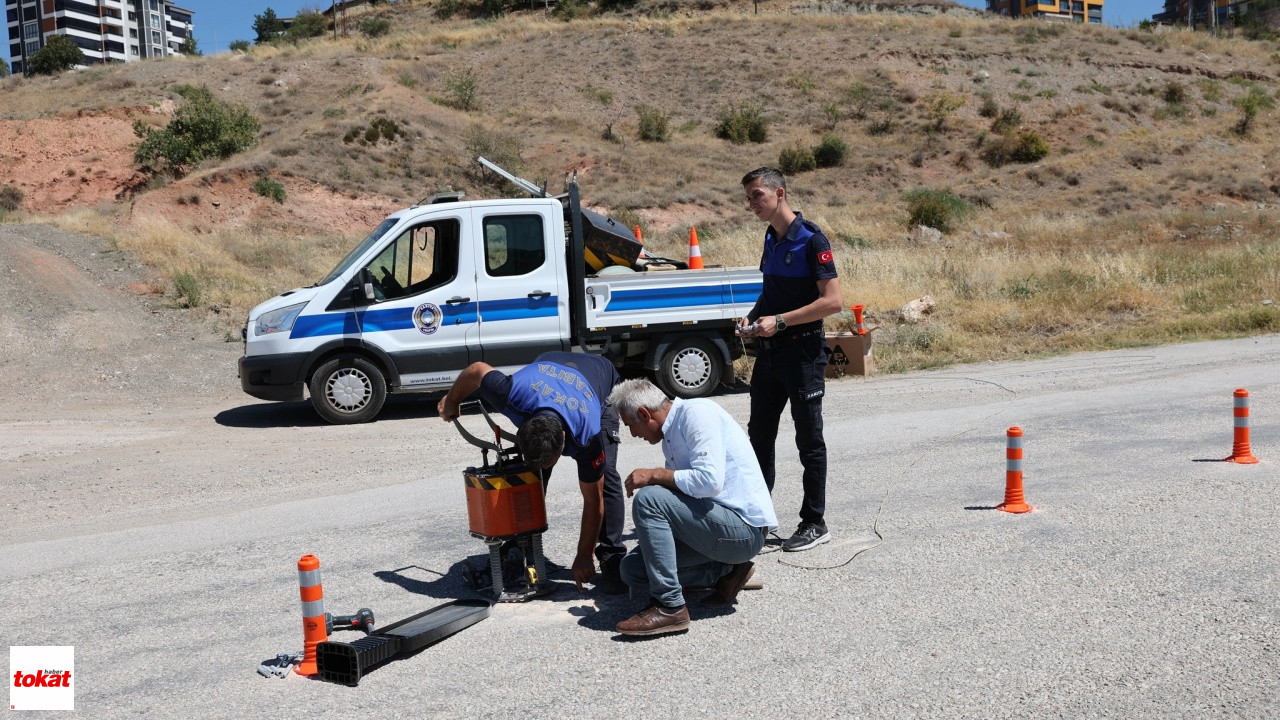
849	354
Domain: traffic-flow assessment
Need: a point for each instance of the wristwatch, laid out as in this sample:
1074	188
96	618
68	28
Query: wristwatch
781	324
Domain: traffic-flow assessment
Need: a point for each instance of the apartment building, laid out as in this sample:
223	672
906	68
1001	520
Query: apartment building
1200	12
1068	10
105	30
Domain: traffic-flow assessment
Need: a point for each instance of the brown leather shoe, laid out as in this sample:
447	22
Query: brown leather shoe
728	587
656	620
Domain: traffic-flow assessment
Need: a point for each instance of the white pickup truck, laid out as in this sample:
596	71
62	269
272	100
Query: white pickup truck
438	286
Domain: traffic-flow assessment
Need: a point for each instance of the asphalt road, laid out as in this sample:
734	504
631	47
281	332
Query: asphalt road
161	542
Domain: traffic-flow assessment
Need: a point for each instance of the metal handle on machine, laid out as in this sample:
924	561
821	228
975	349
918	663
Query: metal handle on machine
499	434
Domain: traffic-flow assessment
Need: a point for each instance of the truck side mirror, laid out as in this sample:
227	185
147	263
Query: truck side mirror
362	289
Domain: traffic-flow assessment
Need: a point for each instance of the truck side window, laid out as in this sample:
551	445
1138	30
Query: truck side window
513	245
421	258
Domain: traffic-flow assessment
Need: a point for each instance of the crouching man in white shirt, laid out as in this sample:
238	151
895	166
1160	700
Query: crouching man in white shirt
702	518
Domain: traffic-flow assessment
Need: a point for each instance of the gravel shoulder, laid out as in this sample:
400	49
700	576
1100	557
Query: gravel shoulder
154	514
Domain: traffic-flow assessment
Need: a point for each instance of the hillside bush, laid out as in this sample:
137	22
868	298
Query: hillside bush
1023	147
652	123
374	27
190	291
742	124
188	47
831	151
1006	121
59	54
268	188
446	9
503	150
10	198
938	209
239	46
794	160
462	87
569	9
1254	101
306	24
202	128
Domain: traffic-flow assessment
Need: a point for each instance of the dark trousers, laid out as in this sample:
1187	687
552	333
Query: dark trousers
795	373
609	544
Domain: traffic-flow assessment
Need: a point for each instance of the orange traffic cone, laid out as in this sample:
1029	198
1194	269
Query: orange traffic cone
640	239
857	318
1014	502
314	629
695	252
1240	450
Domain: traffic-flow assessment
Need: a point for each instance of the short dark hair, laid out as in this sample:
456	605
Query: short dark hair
541	439
770	177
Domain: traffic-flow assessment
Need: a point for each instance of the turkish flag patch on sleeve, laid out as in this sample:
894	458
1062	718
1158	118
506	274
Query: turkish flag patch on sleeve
825	257
598	462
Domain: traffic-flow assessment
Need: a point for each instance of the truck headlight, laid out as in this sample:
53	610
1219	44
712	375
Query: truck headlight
280	320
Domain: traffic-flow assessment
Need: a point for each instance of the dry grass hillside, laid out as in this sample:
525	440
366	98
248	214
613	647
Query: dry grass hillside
1149	220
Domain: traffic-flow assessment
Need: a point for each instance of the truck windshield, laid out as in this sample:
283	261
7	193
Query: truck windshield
359	250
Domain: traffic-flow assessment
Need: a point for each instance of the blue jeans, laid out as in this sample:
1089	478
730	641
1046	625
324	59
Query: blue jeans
684	541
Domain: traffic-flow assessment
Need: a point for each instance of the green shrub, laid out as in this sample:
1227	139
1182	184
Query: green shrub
59	54
306	24
239	46
462	87
502	150
569	9
880	127
1175	93
831	151
1023	147
10	198
491	8
446	9
201	129
742	124
652	123
374	27
796	160
937	209
940	106
190	294
268	188
989	108
1250	105
1006	121
188	47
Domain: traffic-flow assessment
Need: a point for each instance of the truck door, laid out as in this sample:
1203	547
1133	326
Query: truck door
523	311
424	314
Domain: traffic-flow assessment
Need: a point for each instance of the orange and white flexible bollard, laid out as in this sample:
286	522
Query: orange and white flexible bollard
1014	502
1240	450
695	252
314	628
640	239
857	319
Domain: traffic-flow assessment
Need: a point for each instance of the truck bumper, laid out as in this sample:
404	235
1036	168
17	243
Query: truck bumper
273	377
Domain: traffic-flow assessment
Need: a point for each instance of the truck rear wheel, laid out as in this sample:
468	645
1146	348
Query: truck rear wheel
348	389
690	368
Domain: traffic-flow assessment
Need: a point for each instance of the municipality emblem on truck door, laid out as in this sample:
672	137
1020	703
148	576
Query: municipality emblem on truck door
427	317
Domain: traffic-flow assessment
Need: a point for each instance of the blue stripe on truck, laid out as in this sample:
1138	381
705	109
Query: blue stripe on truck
657	298
346	323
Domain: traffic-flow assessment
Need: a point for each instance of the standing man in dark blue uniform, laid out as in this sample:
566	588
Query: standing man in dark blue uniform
559	405
800	289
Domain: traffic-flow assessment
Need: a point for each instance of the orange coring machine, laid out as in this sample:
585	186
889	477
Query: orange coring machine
506	509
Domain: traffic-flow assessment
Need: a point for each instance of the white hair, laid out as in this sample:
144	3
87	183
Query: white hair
631	395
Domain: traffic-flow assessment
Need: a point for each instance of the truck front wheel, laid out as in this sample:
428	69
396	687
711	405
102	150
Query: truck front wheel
348	389
690	368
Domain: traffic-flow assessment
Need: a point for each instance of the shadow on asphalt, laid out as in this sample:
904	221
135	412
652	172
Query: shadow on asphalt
981	507
404	406
1207	460
410	406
